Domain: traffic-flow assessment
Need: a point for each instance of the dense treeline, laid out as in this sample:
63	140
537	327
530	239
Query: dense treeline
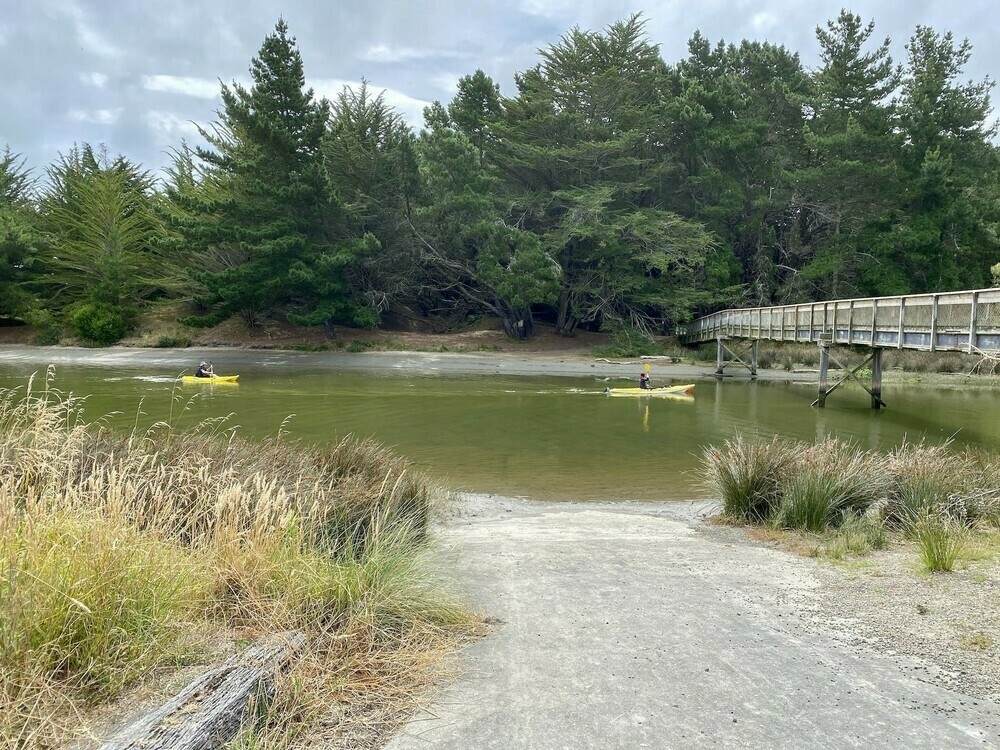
611	189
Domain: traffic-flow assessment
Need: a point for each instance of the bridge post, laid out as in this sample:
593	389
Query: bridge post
720	357
754	346
824	369
876	391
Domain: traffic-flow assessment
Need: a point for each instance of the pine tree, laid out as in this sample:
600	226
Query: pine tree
948	236
105	259
264	229
472	258
19	237
371	162
848	186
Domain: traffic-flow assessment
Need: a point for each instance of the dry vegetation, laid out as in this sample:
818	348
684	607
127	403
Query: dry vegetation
122	554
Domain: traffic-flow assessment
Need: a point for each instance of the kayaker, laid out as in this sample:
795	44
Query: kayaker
644	380
205	370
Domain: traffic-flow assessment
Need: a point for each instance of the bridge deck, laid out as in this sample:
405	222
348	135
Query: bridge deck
950	321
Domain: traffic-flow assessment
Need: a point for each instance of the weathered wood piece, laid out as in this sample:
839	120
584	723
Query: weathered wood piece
210	711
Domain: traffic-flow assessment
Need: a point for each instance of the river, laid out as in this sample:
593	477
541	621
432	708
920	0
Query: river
483	430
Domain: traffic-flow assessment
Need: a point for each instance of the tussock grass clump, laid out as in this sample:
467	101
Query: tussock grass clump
940	540
830	478
933	494
114	547
748	475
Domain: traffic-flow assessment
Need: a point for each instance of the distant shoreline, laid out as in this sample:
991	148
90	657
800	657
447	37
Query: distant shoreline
561	364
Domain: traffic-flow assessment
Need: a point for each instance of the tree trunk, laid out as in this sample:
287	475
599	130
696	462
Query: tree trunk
210	711
517	324
565	321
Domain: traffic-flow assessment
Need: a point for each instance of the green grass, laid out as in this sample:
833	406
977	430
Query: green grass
856	535
940	542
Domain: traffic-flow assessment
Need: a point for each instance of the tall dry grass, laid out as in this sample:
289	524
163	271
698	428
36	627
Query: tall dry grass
113	547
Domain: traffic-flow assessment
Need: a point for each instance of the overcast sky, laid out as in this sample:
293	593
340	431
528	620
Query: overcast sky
135	74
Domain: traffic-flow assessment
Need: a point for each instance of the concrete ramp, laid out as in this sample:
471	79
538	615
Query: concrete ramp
623	626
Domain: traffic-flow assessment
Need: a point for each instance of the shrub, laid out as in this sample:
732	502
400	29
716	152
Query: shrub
921	479
173	342
766	357
809	500
101	323
747	475
111	545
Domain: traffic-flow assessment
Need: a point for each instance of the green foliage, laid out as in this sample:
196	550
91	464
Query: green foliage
104	233
857	535
19	237
574	147
613	188
371	164
850	176
101	323
88	602
173	342
628	342
487	264
259	217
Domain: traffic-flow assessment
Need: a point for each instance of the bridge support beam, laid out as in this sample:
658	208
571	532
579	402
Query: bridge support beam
721	360
874	359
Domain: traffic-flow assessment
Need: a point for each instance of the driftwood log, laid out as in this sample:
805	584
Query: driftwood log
210	711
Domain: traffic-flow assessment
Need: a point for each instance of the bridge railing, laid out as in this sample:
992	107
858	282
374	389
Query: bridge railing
948	321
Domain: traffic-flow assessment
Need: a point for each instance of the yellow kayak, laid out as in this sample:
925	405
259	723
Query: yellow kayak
667	390
215	379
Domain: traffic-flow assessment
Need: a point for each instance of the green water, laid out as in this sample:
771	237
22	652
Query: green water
542	437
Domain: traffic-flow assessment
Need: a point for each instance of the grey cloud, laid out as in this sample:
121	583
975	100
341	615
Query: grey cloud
135	75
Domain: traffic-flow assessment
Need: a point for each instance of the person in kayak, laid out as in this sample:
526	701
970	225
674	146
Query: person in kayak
644	381
205	370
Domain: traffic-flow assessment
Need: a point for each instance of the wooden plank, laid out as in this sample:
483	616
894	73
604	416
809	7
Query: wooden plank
210	711
973	317
899	334
934	320
876	391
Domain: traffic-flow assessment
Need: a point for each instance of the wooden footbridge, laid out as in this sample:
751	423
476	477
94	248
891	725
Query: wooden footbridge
966	322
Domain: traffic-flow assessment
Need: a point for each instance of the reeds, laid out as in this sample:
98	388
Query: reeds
114	548
934	494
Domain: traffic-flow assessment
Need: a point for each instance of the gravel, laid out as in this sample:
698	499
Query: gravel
943	626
